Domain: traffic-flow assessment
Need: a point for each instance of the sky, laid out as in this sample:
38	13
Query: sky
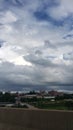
36	45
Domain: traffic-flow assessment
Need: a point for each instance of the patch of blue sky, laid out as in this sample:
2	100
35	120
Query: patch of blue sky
49	3
3	6
43	16
69	21
69	24
14	3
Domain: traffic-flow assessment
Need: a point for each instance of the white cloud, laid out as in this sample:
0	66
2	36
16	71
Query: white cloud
8	54
7	17
62	10
21	61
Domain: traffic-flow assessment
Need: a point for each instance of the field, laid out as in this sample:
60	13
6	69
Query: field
53	105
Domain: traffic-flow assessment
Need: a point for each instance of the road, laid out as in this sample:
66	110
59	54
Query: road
29	106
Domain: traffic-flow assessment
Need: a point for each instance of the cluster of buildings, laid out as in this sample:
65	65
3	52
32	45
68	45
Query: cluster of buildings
41	94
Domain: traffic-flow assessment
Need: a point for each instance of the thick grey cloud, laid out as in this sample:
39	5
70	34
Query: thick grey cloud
68	56
23	77
39	60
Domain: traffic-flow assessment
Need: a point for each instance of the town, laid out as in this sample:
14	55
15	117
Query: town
37	100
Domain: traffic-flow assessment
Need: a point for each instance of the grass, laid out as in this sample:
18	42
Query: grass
52	105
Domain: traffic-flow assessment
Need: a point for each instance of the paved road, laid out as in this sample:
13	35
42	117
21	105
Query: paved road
22	104
29	106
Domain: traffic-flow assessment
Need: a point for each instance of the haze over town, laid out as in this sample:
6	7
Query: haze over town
36	45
